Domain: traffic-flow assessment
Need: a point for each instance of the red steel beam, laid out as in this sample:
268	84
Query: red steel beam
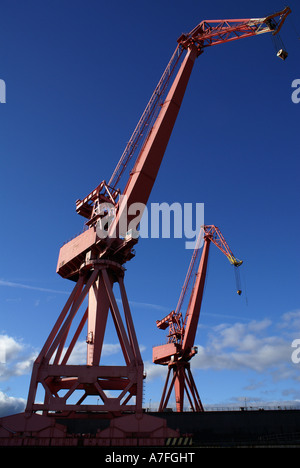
144	173
193	312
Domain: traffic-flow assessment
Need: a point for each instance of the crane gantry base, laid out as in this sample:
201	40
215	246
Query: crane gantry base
110	396
183	382
131	430
71	388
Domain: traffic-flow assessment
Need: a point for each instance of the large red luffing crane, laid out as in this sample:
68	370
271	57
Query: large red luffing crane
61	389
180	349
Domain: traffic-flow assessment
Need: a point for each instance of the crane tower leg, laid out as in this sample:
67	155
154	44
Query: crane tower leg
183	384
66	386
179	388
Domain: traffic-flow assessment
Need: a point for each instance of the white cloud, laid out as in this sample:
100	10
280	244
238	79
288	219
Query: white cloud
291	320
109	348
9	348
153	371
244	346
15	358
78	355
10	405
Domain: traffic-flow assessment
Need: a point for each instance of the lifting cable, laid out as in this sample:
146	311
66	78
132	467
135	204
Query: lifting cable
237	280
279	46
278	42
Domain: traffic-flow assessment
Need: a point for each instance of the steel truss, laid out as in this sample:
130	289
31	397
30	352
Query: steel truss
60	380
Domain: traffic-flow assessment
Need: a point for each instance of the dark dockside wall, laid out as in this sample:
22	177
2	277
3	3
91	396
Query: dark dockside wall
232	427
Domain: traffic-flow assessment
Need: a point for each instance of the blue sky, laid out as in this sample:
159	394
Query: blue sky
78	76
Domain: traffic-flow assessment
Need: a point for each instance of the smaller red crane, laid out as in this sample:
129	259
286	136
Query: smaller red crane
179	350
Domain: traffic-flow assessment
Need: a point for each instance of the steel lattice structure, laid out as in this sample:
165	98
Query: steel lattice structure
96	265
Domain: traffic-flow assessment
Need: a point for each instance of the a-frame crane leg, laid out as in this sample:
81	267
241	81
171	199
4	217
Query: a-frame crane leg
183	383
66	386
179	387
165	398
193	389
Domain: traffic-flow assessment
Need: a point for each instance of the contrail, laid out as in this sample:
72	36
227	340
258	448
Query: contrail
26	286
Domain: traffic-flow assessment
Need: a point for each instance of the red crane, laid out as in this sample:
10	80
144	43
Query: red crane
94	259
179	350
